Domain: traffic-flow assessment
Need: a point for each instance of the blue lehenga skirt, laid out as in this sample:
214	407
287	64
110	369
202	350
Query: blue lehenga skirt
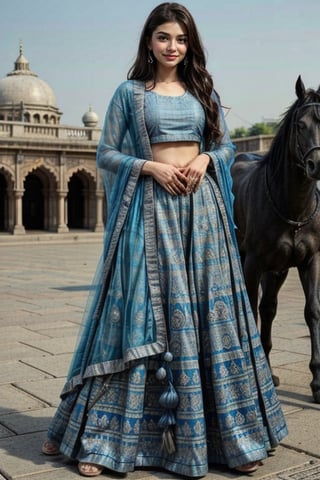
228	411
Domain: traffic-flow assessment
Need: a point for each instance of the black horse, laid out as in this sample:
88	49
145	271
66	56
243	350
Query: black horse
277	213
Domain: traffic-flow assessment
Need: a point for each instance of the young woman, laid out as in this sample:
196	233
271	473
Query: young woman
169	371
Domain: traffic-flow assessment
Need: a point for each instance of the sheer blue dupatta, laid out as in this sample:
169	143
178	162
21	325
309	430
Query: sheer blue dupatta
103	349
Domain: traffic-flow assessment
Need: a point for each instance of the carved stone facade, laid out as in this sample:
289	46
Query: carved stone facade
49	185
48	175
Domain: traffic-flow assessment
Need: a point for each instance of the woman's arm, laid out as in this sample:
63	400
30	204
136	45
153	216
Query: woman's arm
115	145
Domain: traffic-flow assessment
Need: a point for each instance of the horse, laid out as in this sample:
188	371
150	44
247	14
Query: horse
277	215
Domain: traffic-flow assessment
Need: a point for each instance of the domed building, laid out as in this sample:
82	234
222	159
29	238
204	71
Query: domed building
48	175
25	97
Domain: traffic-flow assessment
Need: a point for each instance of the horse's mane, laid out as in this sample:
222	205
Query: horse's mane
280	143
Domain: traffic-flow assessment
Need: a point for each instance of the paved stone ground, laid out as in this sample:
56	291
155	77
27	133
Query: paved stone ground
43	291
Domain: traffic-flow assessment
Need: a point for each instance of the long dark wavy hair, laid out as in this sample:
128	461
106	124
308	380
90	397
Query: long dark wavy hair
194	75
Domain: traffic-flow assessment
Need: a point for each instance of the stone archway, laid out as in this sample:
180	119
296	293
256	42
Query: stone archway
3	197
75	202
81	201
6	201
39	201
33	203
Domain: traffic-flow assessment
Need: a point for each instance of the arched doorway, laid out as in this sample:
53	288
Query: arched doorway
7	213
40	200
33	203
3	202
75	202
81	201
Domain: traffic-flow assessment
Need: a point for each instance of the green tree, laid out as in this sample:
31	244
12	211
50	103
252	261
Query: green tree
239	132
260	128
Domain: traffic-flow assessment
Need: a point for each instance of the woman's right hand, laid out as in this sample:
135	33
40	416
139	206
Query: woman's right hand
168	176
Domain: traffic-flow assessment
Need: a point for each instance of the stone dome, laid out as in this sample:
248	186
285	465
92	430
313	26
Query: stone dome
90	118
30	90
24	96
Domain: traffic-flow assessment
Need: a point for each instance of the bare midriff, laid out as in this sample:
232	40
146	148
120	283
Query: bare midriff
178	154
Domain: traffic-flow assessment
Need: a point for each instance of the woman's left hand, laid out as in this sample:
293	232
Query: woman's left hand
196	171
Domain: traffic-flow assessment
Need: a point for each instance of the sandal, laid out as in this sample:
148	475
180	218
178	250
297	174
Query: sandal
89	469
49	447
247	467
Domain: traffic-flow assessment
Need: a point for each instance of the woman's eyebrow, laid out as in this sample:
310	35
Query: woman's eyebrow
167	33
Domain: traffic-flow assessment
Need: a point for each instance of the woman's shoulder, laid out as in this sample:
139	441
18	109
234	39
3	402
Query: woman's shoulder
128	86
123	94
122	90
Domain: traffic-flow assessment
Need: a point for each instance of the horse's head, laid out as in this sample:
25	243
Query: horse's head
306	129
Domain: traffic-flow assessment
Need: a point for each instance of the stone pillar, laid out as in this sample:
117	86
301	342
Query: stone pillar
62	227
99	227
18	227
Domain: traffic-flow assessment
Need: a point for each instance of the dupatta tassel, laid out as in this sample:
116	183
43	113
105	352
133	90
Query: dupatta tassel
169	401
169	398
167	419
168	443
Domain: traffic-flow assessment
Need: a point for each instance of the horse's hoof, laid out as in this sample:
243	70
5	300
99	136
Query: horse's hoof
276	380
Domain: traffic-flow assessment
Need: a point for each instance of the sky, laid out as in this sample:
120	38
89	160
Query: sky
256	49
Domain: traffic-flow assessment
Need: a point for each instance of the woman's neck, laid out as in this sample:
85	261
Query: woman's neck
167	80
167	76
173	88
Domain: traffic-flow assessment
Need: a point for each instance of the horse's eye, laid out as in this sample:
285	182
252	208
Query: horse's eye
301	125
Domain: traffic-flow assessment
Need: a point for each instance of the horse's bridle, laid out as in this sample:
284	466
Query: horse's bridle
288	221
302	161
302	164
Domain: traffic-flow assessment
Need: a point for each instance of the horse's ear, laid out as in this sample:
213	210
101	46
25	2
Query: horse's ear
300	88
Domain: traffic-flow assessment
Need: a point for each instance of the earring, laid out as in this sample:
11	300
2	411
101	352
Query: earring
150	59
185	61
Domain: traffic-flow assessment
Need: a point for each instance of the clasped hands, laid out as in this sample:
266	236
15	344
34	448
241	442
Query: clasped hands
183	183
185	180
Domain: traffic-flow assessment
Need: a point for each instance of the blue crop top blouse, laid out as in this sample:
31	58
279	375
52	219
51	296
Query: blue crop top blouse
173	119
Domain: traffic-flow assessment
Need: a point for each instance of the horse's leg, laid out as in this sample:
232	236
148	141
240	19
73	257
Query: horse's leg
271	283
310	280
